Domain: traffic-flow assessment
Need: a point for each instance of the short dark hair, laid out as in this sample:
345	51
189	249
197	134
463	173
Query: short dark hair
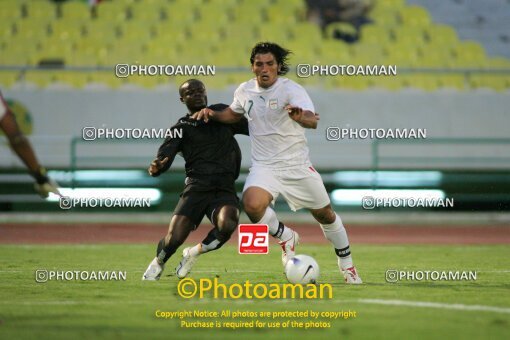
281	54
189	81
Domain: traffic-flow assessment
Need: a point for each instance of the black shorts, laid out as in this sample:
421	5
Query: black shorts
201	198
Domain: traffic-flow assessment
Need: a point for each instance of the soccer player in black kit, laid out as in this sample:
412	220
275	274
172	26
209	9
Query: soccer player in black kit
213	161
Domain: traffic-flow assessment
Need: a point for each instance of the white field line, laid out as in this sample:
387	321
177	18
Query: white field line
418	304
425	304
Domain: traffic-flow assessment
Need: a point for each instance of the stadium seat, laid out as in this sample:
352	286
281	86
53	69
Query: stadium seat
73	78
469	54
414	16
498	82
75	10
440	35
374	34
41	10
454	81
423	81
8	78
40	78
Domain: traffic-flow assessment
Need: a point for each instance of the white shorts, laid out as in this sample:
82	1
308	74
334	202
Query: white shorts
301	187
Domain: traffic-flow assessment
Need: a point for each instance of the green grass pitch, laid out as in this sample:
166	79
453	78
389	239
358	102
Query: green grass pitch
126	309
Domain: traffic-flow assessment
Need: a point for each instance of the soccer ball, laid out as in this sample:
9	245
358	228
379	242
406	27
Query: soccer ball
302	269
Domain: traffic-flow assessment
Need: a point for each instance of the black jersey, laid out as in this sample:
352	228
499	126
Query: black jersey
209	149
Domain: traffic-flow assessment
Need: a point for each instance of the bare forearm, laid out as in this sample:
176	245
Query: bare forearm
308	120
24	150
226	116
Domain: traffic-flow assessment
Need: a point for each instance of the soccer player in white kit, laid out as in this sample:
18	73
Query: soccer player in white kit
278	112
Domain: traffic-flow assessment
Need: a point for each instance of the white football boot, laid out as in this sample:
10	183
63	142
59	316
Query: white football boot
350	275
154	271
289	247
187	262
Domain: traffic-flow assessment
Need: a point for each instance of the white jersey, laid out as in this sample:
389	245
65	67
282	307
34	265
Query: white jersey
276	140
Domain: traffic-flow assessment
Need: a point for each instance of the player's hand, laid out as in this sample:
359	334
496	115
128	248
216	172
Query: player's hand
156	166
205	114
295	112
44	189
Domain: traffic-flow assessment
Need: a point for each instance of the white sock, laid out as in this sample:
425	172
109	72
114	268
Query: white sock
337	235
281	232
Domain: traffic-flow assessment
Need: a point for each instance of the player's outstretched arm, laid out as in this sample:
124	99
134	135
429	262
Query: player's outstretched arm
21	146
227	116
305	118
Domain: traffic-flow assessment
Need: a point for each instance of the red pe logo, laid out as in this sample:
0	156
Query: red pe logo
253	239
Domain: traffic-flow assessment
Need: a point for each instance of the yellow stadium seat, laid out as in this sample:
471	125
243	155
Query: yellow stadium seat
455	81
436	58
374	34
423	81
414	16
333	51
73	78
269	33
409	37
384	15
498	62
67	30
32	29
41	78
101	32
469	54
8	78
145	12
18	53
367	53
306	32
391	3
498	82
401	56
392	83
108	79
135	31
440	35
10	10
77	10
112	11
41	10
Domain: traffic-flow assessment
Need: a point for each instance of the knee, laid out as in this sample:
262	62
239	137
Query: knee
325	215
253	206
227	220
